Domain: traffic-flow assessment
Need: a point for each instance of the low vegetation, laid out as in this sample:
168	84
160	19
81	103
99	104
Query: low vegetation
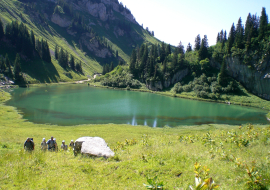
227	157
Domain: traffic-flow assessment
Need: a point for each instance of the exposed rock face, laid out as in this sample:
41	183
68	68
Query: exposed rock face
97	10
93	45
157	85
255	80
60	21
100	9
93	146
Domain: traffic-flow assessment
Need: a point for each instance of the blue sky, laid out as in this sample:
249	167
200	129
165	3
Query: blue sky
182	20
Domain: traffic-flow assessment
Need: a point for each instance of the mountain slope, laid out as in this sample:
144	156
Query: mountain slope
95	32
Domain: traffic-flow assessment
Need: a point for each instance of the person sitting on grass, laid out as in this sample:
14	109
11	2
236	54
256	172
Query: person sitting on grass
29	145
43	144
63	145
51	144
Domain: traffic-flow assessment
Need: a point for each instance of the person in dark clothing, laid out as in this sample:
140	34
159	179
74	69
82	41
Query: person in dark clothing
29	145
51	144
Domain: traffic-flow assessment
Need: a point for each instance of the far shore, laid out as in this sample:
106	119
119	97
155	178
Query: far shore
89	82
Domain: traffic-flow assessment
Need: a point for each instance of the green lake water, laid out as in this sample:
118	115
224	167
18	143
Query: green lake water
80	104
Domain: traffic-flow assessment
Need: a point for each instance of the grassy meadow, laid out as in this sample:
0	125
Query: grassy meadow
236	157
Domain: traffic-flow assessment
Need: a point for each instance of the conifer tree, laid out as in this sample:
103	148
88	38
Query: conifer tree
168	50
17	67
111	66
239	35
133	59
189	48
231	39
79	67
203	51
3	65
263	24
175	61
218	38
151	66
1	29
225	36
162	52
221	36
10	73
248	28
164	70
103	70
72	63
222	74
181	48
56	52
33	40
197	43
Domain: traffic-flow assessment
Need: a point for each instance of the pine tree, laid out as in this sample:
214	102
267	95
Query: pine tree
203	51
17	67
218	38
248	28
221	36
72	63
263	24
3	65
111	66
197	43
189	48
164	70
239	35
103	70
133	59
231	39
225	36
10	73
162	52
181	48
56	52
168	50
175	62
47	52
79	67
222	74
1	29
33	40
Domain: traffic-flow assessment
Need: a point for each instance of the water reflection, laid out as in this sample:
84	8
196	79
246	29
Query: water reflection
155	123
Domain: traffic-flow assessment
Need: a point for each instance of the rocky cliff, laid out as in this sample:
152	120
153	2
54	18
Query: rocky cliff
256	79
159	85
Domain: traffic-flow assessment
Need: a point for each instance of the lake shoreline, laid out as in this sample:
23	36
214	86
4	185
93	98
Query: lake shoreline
163	93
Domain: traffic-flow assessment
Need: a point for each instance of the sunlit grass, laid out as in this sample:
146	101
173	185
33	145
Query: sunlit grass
168	153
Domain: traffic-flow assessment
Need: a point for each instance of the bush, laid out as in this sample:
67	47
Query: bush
187	88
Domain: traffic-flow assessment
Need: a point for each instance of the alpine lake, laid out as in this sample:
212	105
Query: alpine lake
74	104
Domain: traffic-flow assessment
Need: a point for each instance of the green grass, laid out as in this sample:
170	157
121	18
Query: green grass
168	153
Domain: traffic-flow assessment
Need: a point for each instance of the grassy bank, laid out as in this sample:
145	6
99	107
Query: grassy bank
141	153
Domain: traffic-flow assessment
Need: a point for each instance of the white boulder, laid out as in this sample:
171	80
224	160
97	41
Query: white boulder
93	146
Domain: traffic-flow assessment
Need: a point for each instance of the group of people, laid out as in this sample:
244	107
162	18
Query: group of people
51	144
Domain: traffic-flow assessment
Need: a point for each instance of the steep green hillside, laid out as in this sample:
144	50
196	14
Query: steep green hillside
91	39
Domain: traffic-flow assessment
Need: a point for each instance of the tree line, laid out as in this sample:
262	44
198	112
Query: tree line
67	60
25	43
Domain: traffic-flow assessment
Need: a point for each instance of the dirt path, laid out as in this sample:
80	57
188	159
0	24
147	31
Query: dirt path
82	81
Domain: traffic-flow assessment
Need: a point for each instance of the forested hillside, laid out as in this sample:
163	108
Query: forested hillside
79	37
242	58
